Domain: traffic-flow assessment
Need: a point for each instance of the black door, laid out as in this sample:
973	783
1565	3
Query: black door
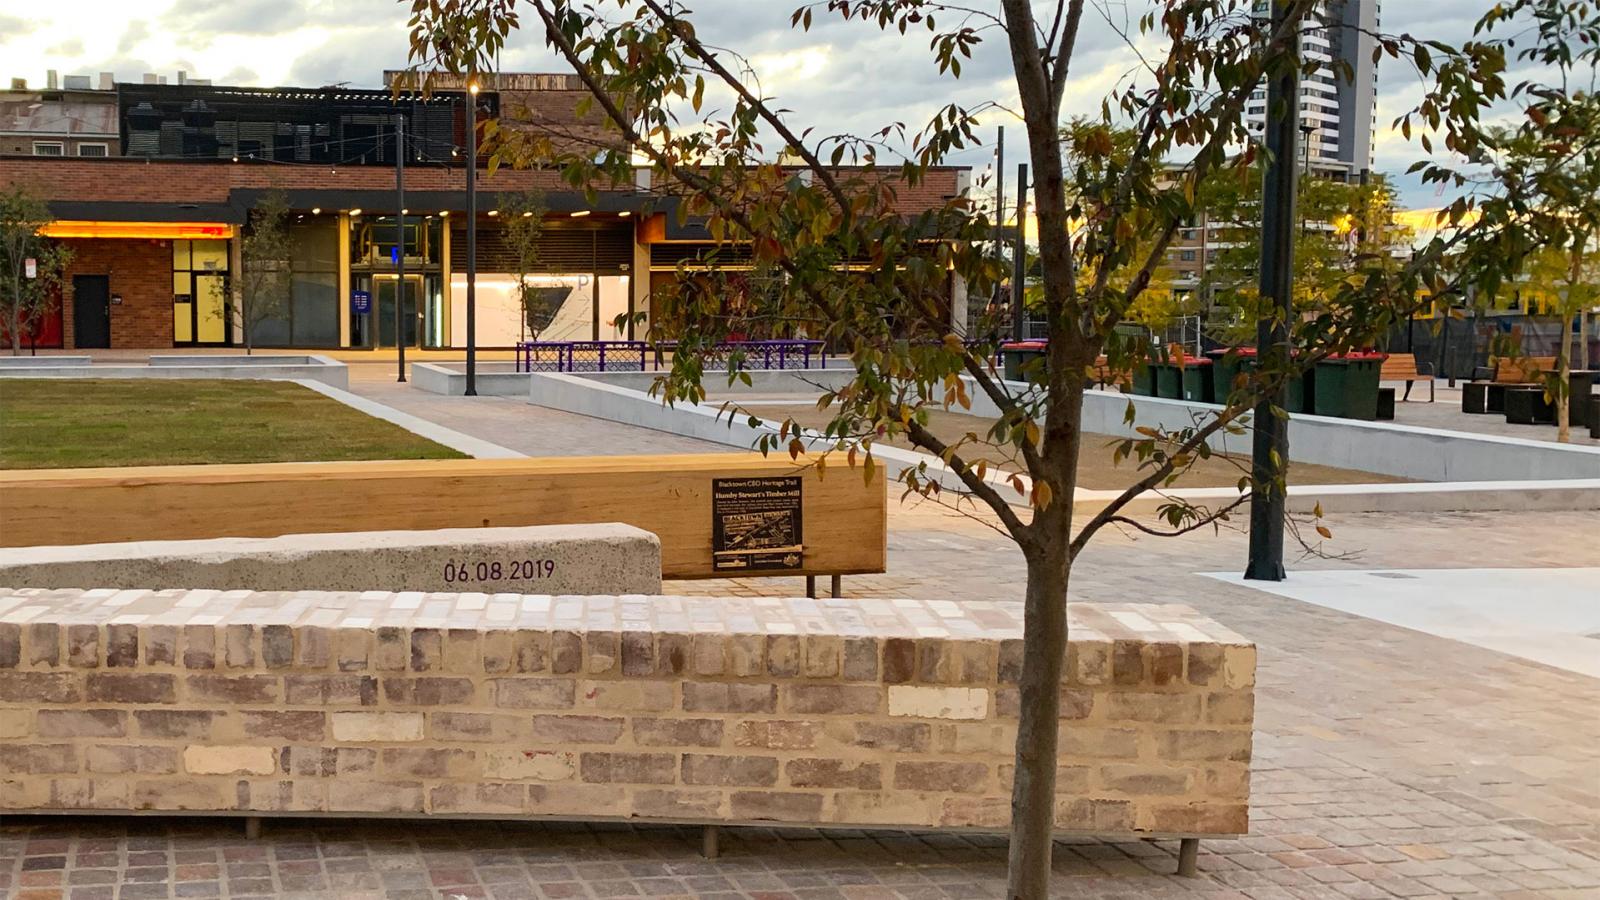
91	311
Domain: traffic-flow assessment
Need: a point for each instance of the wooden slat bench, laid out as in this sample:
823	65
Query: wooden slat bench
855	713
1404	367
1521	370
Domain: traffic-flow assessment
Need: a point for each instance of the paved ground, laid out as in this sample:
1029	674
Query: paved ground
1445	412
1389	763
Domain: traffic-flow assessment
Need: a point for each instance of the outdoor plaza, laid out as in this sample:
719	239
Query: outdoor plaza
1408	729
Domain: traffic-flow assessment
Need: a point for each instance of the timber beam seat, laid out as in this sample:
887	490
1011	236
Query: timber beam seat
1404	367
860	713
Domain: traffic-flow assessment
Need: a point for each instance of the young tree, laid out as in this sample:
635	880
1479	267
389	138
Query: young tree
870	279
25	298
263	292
523	215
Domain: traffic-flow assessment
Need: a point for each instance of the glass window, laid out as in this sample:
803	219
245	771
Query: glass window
92	150
210	256
180	256
314	309
49	148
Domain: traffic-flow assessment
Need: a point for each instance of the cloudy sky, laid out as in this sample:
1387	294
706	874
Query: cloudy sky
837	77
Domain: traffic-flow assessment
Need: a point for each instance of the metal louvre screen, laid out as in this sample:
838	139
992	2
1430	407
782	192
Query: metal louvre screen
603	251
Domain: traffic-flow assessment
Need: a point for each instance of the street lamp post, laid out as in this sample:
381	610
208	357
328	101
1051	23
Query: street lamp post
1270	439
472	236
400	245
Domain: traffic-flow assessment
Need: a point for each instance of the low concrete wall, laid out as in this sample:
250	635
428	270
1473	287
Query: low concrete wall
545	559
762	381
867	713
325	369
450	379
252	359
35	362
1405	451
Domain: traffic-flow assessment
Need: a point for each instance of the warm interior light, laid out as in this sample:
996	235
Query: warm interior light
472	88
527	214
494	212
444	213
316	210
624	214
170	231
405	212
581	212
356	211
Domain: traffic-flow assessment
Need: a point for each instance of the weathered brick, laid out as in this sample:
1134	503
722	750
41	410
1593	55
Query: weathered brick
330	690
352	647
925	702
833	773
427	762
199	647
708	652
16	724
328	762
1204	744
10	645
638	653
629	768
908	737
576	730
975	737
160	645
44	644
376	727
1099	743
836	699
629	696
1094	814
1198	818
899	660
957	777
38	687
429	691
1091	663
375	796
238	646
1143	706
778	734
38	759
493	727
314	648
747	655
975	812
1230	708
530	765
391	651
230	688
573	799
178	794
277	646
1009	667
729	698
1238	667
1128	663
463	651
122	646
823	656
83	646
677	804
427	649
82	723
600	650
651	732
292	725
672	654
860	659
1146	780
566	656
1205	662
533	693
1164	660
191	724
783	655
120	759
130	688
775	806
482	799
726	771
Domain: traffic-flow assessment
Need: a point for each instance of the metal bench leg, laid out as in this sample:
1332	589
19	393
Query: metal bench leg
252	827
837	586
708	842
1189	857
811	586
1407	395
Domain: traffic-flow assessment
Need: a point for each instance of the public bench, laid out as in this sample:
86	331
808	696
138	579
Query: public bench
717	514
1404	367
835	713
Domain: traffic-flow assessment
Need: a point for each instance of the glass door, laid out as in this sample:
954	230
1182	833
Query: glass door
383	288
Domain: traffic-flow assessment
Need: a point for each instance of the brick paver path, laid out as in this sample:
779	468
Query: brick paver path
1388	763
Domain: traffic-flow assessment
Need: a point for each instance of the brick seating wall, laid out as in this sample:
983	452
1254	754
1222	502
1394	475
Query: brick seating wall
809	712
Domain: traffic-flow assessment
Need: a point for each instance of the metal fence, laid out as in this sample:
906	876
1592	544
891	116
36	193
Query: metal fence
630	356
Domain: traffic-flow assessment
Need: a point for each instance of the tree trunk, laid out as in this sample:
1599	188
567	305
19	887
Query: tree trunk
16	325
1033	790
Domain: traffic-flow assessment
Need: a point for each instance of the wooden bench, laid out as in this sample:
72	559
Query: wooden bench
1521	370
1404	367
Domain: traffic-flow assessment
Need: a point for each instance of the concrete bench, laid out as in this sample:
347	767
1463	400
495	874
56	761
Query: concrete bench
849	713
551	559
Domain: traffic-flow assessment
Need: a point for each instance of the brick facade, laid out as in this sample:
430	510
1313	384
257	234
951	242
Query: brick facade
140	271
889	713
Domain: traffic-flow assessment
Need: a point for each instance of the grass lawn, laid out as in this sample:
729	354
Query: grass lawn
76	422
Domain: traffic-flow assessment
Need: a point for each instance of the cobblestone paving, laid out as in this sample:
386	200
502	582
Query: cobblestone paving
1389	763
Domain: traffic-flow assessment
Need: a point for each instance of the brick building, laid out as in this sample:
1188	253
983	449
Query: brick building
155	230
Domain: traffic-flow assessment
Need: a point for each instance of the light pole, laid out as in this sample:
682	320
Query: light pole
1019	261
1270	440
400	244
472	235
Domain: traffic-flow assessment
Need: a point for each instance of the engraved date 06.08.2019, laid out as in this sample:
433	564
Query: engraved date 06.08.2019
510	570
